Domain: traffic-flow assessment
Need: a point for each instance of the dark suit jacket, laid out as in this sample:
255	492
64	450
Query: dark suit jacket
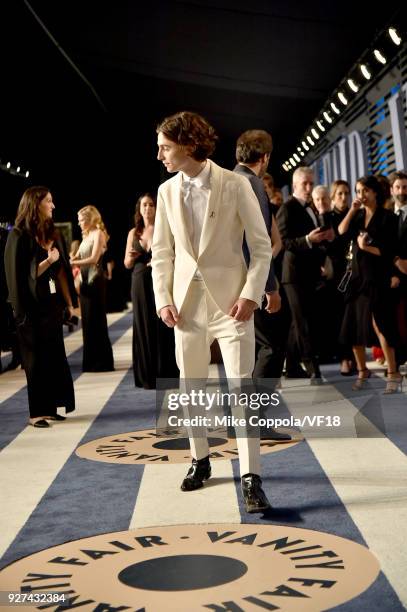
301	264
402	253
258	188
21	272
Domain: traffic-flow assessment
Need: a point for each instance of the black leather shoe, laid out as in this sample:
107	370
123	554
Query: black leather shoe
254	497
271	434
57	417
42	423
199	471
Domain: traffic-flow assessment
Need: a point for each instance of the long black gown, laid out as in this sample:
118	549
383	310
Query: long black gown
369	291
38	314
97	349
153	341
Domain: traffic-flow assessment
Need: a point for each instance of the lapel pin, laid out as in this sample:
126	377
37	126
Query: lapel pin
212	215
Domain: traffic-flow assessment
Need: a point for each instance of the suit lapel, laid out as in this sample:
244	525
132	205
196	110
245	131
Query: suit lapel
307	217
211	214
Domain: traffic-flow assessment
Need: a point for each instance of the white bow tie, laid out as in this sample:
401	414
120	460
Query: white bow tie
187	184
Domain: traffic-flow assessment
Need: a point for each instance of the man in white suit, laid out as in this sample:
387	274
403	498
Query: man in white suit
201	283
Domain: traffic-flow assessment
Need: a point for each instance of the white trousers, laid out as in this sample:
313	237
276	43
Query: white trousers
200	323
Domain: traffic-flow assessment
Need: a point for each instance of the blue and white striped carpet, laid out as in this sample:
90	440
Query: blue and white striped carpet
354	487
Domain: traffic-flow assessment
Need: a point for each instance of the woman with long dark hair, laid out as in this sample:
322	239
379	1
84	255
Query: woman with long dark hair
153	342
40	287
369	311
340	199
97	350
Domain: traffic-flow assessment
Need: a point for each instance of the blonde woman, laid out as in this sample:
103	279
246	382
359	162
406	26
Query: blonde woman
97	350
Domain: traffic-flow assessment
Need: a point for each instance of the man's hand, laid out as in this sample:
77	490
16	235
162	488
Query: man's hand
317	235
273	302
169	314
242	309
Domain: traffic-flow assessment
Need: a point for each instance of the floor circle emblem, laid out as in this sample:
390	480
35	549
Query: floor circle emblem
145	447
192	568
183	572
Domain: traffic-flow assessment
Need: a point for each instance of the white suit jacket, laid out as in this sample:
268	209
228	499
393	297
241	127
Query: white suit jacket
232	210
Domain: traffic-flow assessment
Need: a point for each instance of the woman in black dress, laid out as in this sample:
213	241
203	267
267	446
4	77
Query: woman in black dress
369	306
340	197
153	342
40	286
97	350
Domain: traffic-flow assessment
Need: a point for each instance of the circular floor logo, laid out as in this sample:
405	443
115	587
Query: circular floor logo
146	446
188	568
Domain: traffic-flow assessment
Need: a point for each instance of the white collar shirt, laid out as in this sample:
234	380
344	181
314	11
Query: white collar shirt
195	193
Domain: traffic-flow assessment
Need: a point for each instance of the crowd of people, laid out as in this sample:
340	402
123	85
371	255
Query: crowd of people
342	287
343	273
314	279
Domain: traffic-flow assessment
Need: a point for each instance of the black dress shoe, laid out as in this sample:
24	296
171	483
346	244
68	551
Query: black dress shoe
254	497
57	417
42	423
199	471
271	434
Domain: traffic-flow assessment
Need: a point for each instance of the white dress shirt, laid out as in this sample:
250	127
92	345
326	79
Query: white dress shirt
196	192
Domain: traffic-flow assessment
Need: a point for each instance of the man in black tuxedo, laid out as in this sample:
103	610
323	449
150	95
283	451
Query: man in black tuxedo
398	188
303	258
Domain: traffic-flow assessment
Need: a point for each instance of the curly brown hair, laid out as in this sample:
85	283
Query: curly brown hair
138	218
29	218
192	130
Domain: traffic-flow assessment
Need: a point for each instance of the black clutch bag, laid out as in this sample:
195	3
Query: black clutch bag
67	318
